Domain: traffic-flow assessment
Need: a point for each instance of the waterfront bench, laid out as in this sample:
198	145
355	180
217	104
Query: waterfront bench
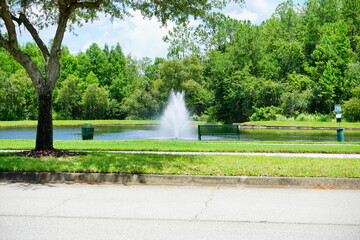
220	130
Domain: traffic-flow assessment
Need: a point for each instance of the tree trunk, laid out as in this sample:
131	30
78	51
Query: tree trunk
44	135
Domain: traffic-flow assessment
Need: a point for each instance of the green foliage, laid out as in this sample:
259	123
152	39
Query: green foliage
265	114
95	102
352	106
139	105
17	97
68	100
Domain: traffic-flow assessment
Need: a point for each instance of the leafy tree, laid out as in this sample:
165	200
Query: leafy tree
182	41
316	14
69	64
331	57
350	10
62	13
95	102
140	105
18	99
68	101
91	78
352	106
216	32
99	64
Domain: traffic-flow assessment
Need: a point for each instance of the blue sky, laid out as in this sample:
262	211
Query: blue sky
143	37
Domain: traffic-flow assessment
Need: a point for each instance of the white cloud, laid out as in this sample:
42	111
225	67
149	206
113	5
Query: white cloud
244	15
137	36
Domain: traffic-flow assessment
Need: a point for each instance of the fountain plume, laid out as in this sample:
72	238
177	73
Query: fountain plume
175	121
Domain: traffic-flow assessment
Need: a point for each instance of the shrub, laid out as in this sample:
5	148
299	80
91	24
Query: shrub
265	114
352	109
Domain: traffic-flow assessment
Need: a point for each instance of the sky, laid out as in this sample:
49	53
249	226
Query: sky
143	37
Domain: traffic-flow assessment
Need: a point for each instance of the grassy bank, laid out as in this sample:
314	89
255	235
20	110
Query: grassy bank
181	164
315	124
197	146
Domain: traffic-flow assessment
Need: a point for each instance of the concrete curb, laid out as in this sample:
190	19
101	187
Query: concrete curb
149	179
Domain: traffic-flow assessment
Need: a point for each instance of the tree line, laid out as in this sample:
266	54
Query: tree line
302	60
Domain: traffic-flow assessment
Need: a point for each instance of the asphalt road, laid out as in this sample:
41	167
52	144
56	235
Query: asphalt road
81	211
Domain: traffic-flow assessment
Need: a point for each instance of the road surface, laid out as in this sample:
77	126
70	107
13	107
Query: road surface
83	211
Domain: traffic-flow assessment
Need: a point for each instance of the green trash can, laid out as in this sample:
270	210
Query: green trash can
340	134
87	131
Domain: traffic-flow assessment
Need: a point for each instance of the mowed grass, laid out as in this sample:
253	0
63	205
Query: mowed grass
217	165
187	146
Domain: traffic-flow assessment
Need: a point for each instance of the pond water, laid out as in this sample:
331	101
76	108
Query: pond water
151	132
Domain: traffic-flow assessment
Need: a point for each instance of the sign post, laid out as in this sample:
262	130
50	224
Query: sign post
340	131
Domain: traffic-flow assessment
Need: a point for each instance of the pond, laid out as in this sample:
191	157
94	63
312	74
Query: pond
151	133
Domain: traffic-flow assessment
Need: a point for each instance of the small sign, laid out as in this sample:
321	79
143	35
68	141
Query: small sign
338	115
337	108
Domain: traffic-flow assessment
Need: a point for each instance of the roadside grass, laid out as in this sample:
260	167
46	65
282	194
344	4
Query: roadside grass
188	146
316	124
218	165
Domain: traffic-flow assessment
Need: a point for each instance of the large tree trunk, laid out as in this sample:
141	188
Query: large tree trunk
44	135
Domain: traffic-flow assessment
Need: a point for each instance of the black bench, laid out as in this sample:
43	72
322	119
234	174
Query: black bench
214	129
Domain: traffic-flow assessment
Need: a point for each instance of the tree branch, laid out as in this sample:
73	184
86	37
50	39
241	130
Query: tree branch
75	4
10	26
25	61
24	20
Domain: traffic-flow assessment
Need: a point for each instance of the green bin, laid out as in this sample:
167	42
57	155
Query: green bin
340	134
87	131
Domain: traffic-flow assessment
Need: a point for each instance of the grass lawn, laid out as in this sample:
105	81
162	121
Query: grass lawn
187	146
184	164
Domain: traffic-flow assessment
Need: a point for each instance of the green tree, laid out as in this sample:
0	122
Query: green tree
331	57
95	102
350	10
99	64
352	106
140	105
68	100
18	98
185	75
181	41
69	64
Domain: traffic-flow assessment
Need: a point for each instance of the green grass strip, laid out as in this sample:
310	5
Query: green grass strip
188	165
188	146
315	124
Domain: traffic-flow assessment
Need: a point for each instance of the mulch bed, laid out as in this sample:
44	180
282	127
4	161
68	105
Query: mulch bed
47	153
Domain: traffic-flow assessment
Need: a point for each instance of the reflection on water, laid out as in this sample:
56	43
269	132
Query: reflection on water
151	132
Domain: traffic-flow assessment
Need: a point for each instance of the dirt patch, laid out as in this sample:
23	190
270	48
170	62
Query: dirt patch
47	153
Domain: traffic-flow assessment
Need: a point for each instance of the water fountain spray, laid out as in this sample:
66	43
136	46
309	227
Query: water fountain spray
175	121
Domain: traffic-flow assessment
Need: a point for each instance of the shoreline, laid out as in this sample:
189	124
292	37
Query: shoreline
243	126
